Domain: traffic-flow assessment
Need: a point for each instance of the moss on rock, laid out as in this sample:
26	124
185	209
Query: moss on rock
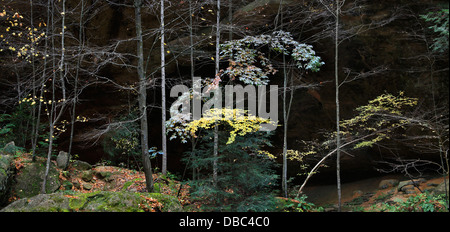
100	201
29	180
5	177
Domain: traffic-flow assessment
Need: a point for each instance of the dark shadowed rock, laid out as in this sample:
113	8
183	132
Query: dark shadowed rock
81	165
440	189
384	184
409	184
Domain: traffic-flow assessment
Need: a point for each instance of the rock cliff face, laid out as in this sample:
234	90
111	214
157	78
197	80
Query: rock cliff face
390	45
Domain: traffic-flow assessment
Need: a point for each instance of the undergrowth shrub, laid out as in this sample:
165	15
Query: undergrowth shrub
424	202
297	205
245	179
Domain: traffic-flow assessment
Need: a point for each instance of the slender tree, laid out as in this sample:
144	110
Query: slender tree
338	130
142	98
284	187
163	92
217	70
77	73
336	12
57	107
192	69
33	108
230	19
35	137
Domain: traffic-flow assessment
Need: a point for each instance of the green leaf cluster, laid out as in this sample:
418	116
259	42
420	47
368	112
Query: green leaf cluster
424	202
16	126
250	65
440	26
122	142
299	204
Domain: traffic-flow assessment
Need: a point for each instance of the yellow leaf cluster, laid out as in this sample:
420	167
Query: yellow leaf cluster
382	113
27	35
266	153
81	119
240	122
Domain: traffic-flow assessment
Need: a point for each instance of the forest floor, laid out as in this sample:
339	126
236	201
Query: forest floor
97	178
365	195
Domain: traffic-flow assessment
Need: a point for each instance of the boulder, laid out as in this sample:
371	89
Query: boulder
402	184
409	184
10	148
104	175
87	186
62	160
38	203
5	162
440	189
99	201
384	184
409	191
6	169
330	209
87	175
30	178
432	184
81	165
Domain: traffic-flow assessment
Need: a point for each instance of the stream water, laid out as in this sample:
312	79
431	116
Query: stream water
327	194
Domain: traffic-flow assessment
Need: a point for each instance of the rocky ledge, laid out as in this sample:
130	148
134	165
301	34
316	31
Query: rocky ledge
100	201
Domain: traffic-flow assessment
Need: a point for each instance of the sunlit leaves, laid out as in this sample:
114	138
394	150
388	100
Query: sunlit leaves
382	115
236	119
18	38
249	64
382	105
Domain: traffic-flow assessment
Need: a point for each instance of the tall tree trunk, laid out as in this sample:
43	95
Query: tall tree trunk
191	48
285	125
216	129
51	120
230	19
38	120
54	114
338	130
142	98
284	187
439	133
77	72
63	49
49	156
50	137
33	74
163	92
